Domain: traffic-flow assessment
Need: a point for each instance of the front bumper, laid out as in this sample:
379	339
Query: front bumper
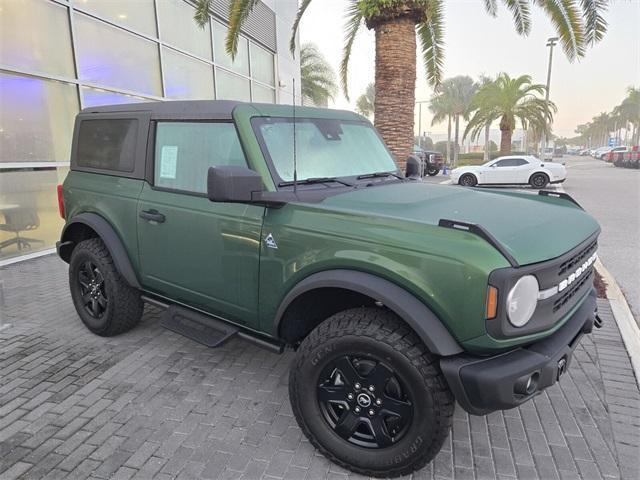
485	384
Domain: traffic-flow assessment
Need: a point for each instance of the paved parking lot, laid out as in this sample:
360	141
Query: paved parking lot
152	404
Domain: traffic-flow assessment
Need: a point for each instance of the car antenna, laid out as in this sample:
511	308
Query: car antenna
295	166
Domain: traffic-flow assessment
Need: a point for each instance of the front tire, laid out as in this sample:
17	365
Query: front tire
105	302
433	171
369	396
468	180
539	180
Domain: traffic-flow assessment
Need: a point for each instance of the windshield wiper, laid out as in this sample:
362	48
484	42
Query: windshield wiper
379	175
312	180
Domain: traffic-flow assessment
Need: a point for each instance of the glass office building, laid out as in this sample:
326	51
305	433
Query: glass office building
59	56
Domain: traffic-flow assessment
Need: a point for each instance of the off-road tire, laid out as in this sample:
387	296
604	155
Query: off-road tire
124	305
381	333
433	171
468	180
539	180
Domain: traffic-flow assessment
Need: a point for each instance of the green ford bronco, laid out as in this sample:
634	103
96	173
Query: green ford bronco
399	297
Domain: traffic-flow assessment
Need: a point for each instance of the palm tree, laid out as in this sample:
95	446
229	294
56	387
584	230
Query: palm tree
509	100
629	110
365	104
442	108
317	78
396	24
462	90
476	104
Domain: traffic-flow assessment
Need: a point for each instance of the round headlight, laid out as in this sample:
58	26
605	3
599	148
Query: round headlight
522	300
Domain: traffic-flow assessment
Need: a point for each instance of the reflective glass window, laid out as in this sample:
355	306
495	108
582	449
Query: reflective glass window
261	64
186	150
262	94
138	15
94	97
178	28
108	144
221	57
35	35
29	210
113	57
185	77
36	119
231	87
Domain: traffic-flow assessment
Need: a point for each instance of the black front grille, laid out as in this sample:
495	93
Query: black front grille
571	291
578	258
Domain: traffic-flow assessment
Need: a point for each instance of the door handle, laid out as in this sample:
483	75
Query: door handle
152	216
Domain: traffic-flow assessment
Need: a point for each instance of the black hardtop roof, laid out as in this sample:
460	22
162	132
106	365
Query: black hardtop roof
216	108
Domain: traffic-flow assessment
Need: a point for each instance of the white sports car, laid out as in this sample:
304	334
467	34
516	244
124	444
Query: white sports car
511	170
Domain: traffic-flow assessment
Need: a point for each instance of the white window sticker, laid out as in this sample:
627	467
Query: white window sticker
168	161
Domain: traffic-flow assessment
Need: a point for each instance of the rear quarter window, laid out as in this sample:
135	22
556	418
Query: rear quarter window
108	144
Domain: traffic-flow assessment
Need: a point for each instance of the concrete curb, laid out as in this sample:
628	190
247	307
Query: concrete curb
624	318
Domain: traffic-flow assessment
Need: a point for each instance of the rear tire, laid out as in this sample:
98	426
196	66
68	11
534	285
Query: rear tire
433	171
105	302
468	180
368	395
539	180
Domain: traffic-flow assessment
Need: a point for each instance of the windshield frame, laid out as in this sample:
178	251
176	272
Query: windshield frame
352	179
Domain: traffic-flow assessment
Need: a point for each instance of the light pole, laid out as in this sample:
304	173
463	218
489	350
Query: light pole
551	42
420	102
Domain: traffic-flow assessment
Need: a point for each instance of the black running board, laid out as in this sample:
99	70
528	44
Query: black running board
197	326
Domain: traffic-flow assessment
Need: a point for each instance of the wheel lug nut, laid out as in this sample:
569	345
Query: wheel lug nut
357	409
350	396
357	385
378	401
371	388
371	412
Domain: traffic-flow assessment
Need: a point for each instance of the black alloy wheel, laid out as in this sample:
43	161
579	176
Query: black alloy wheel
364	402
539	180
92	289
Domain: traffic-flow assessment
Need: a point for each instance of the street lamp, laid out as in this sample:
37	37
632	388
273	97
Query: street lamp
551	42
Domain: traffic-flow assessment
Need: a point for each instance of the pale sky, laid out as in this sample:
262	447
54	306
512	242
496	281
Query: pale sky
479	44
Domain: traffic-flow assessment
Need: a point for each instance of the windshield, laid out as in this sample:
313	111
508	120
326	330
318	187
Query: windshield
325	147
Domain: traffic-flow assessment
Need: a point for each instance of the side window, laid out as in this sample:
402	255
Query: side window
518	162
184	152
502	163
107	144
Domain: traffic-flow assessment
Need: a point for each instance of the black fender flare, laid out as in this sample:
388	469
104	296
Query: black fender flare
414	312
110	238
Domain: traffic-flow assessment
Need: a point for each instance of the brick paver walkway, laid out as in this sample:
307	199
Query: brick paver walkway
152	404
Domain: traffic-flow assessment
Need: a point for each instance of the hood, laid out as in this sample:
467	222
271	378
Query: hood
533	228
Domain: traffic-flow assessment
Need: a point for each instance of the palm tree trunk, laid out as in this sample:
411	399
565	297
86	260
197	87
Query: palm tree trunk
456	147
449	140
505	141
395	85
487	147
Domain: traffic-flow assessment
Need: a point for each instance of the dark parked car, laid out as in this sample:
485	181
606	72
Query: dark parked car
431	160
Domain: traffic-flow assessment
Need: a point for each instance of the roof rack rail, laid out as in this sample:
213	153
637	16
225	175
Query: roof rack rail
566	196
482	232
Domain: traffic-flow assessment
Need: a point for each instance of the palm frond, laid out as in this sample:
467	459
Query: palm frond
521	15
595	25
431	35
352	25
296	23
239	10
201	15
565	17
491	6
316	76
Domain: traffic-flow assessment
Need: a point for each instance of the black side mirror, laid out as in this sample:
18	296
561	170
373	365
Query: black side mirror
412	170
233	184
